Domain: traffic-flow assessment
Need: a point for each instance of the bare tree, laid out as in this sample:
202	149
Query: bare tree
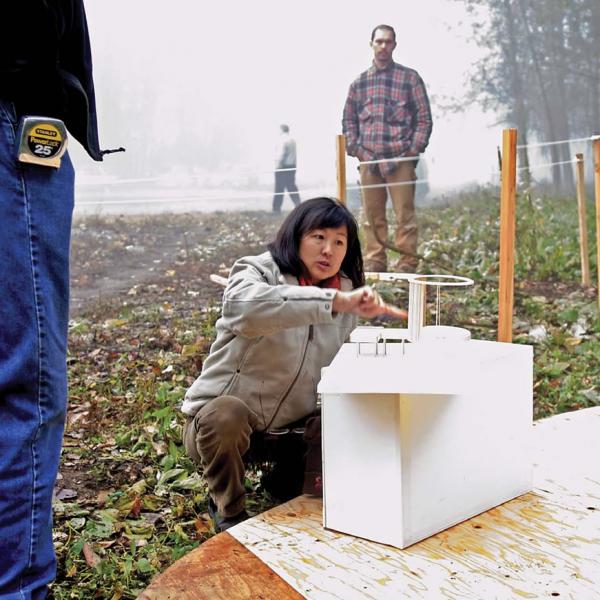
540	70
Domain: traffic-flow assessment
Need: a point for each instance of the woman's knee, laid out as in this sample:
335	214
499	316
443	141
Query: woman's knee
225	418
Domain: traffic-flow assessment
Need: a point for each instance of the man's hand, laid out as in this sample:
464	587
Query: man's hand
366	303
363	154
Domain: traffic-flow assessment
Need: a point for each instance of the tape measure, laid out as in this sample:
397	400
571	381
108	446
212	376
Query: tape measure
41	141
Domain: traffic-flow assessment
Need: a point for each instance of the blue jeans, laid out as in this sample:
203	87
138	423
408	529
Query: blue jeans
36	205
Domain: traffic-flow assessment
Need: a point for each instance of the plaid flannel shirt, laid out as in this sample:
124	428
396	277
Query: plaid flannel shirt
387	115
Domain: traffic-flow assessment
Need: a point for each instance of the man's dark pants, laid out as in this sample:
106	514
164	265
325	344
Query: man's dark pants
285	180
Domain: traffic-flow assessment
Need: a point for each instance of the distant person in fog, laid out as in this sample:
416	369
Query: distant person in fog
285	170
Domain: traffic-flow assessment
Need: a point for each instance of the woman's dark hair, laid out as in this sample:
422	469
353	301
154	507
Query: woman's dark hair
317	213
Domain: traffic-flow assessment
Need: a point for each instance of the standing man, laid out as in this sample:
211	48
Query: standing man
387	116
285	170
46	72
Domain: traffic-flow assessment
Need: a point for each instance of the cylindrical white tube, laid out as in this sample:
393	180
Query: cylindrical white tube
416	310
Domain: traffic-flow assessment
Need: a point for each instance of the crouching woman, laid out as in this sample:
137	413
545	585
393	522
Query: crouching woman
285	315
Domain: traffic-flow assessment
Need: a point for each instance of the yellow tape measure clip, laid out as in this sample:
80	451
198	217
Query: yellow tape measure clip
41	141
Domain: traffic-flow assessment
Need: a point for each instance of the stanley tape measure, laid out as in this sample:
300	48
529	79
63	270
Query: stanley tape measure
41	141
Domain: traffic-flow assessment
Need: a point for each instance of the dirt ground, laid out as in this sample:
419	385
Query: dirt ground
115	258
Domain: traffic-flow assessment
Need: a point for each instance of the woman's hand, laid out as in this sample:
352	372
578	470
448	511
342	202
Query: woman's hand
366	303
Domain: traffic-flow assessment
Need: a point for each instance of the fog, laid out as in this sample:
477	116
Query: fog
196	91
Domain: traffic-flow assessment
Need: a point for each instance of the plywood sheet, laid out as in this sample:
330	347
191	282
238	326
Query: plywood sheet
219	569
543	544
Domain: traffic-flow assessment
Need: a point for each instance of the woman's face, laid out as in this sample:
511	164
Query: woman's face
323	250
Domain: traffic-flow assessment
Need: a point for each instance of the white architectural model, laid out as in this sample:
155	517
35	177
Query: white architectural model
423	427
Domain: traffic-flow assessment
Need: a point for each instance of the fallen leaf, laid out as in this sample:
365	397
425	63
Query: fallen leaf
136	507
91	558
159	447
152	518
115	322
144	566
66	494
592	395
202	525
77	522
102	497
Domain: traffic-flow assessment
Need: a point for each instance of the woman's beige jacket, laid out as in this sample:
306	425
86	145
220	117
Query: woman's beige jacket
273	339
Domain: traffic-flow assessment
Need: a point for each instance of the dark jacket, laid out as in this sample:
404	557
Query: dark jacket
46	65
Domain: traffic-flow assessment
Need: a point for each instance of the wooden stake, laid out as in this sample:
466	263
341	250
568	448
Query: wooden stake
341	168
508	196
597	194
583	237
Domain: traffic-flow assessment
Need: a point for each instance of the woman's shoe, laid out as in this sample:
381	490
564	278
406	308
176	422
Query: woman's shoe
222	523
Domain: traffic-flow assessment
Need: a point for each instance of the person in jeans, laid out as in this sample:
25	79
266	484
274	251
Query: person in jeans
387	116
45	70
285	315
285	170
